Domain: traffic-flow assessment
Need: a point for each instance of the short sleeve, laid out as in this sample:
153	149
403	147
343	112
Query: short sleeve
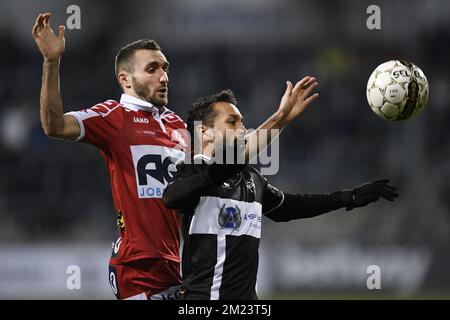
98	124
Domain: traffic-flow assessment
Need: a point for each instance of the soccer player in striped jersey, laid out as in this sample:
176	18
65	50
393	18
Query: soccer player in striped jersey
221	205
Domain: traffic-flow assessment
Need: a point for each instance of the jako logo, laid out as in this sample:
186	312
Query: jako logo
140	120
154	168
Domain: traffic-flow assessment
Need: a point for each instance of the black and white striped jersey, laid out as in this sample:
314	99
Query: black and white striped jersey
221	225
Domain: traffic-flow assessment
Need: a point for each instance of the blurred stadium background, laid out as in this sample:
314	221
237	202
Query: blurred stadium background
55	200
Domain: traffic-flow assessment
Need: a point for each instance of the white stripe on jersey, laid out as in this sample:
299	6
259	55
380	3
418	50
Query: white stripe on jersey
77	115
218	269
206	217
206	221
104	111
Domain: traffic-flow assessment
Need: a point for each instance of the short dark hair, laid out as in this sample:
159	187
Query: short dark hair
124	58
202	109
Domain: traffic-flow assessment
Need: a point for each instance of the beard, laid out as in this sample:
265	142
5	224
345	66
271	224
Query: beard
144	92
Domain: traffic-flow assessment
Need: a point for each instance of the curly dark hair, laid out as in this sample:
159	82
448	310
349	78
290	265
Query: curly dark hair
202	109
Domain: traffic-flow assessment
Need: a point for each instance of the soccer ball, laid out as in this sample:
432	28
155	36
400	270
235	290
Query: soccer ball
397	90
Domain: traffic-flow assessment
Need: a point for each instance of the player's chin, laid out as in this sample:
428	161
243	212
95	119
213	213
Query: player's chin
160	100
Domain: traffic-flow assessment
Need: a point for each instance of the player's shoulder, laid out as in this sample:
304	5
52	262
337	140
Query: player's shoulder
171	117
100	110
186	166
254	172
106	108
109	110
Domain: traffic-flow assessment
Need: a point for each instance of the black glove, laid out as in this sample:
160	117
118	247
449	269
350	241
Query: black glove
366	193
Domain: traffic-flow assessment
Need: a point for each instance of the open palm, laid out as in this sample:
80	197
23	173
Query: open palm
297	98
50	45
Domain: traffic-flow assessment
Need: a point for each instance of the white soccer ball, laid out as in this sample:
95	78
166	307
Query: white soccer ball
397	90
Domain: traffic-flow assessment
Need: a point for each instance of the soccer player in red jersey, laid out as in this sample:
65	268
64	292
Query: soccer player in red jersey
140	140
136	138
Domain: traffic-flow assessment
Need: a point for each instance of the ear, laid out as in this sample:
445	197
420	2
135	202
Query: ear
205	133
124	79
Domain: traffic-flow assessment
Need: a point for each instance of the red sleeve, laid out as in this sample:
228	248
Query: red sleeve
98	124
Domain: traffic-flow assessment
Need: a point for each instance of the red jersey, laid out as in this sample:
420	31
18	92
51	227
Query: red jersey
140	146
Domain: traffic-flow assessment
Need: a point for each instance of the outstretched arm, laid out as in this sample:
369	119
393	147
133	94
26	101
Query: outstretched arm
294	101
188	184
192	180
289	207
53	120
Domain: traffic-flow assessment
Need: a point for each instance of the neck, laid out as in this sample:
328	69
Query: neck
135	95
208	149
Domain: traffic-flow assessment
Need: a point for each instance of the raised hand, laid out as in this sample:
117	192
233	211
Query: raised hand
297	98
50	45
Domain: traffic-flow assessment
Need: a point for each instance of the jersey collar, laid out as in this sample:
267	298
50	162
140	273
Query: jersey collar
203	157
137	104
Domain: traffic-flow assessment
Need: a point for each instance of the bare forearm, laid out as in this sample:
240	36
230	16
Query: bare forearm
263	136
293	103
52	114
